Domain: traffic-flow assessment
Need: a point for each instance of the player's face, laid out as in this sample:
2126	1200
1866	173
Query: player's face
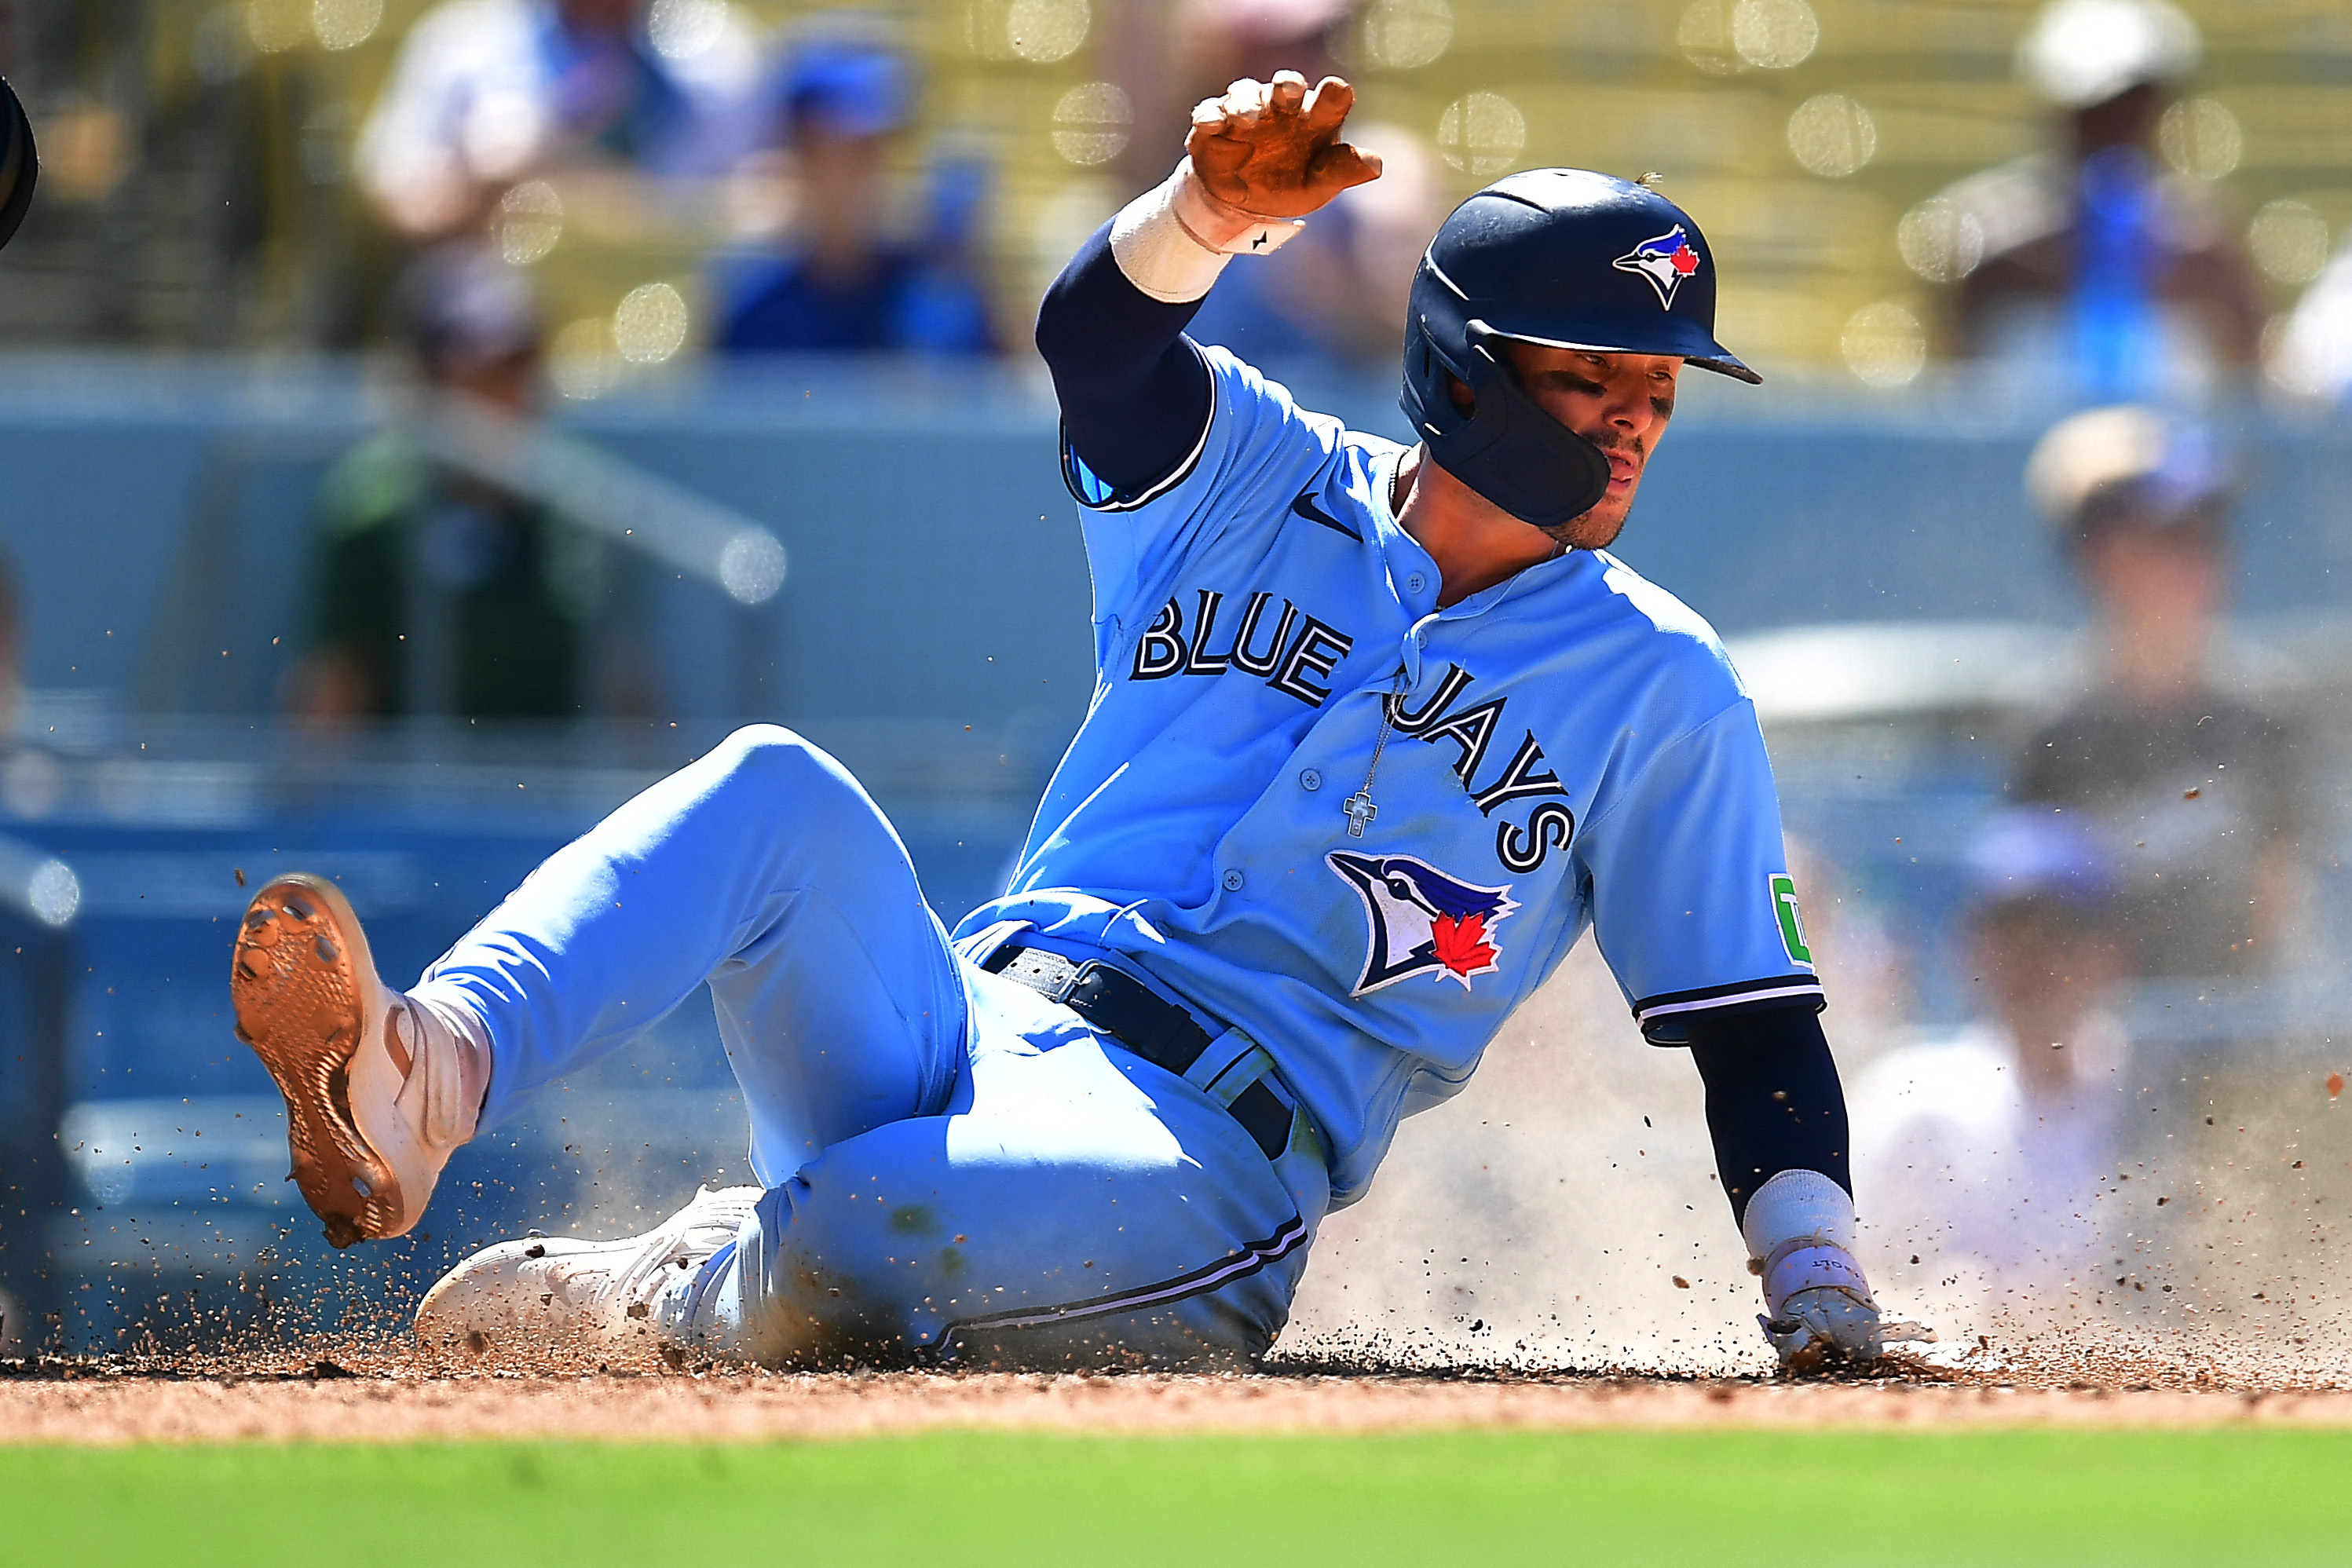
2159	576
1620	403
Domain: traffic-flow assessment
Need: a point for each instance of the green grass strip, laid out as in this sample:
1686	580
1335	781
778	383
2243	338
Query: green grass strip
1816	1498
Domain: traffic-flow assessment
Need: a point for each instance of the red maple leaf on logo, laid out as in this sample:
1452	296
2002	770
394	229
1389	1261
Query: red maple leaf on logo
1686	261
1461	944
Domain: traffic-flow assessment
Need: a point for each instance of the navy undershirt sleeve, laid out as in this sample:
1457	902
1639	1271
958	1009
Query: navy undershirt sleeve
1773	1100
1134	393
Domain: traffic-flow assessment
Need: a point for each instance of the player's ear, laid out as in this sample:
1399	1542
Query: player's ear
1464	398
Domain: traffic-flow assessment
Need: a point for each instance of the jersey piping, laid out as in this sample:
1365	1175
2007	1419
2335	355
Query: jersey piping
1252	1256
1706	999
1093	491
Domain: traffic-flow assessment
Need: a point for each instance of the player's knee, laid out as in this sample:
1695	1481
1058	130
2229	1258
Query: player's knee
758	746
768	759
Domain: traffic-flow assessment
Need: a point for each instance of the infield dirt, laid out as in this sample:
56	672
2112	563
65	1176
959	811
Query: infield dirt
393	1397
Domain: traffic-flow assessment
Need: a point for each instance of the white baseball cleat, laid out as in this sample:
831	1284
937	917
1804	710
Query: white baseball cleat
548	1288
380	1090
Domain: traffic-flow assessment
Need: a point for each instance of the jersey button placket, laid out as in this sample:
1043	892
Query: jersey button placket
1310	779
1409	652
1234	880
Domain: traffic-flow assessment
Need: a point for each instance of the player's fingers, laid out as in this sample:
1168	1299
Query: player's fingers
1341	165
1286	93
1245	100
1329	104
1213	155
1217	116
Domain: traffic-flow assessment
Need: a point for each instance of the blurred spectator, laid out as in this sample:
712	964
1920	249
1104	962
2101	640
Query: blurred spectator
2198	787
1167	58
1219	42
1337	293
2315	354
2094	255
490	92
435	592
846	285
1868	964
1980	1156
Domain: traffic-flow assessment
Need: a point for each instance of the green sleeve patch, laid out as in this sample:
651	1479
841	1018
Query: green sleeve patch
1784	909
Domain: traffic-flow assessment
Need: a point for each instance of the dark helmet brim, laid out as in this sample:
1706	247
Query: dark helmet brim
1692	346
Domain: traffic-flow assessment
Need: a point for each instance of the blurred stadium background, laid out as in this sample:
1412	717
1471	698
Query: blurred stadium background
194	323
196	179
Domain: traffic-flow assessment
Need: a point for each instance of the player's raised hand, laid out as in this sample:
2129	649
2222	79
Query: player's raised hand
1274	148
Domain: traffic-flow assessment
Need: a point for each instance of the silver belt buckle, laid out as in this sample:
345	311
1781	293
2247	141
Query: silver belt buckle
1048	973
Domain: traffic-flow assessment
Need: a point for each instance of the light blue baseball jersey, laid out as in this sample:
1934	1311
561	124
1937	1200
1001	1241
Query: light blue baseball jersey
1569	748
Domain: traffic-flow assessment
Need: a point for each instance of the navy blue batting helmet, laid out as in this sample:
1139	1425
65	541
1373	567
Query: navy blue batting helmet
18	163
1560	256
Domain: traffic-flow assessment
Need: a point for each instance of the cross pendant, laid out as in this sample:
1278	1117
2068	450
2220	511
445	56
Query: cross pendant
1361	810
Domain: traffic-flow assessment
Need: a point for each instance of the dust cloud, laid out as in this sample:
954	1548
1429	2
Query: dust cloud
1562	1212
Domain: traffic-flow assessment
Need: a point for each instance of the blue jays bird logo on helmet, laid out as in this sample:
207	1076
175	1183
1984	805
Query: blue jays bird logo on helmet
1424	922
1665	261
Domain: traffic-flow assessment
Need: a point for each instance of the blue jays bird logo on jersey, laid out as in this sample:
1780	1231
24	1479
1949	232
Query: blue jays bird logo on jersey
1424	922
1665	261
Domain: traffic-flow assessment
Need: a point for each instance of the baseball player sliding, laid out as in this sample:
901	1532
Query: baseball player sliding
1378	732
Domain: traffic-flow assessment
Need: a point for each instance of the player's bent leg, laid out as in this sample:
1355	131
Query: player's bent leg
1077	1207
1081	1208
762	866
380	1089
1099	1259
765	869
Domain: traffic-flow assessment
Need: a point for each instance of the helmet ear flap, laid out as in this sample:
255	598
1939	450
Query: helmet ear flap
1504	447
1510	451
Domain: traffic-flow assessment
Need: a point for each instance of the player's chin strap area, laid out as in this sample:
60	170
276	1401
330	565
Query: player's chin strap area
1506	448
1159	1031
1799	1228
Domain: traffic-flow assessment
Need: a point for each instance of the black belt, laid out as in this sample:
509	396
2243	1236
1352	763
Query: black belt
1159	1031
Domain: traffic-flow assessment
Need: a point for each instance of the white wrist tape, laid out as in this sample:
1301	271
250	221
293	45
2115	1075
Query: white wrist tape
1173	240
1799	1228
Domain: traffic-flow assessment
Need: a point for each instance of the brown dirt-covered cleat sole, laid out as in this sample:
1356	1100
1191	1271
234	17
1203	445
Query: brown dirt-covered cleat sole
301	980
